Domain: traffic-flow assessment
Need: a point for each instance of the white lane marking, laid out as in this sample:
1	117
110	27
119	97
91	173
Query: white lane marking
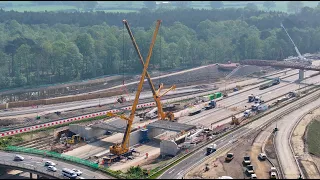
180	172
28	164
171	171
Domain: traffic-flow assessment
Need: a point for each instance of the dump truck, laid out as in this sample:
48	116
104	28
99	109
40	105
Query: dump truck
273	82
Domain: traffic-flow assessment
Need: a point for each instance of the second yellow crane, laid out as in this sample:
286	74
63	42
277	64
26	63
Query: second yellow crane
156	94
123	148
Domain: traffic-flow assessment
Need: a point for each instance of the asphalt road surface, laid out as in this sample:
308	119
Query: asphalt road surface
285	125
177	171
38	163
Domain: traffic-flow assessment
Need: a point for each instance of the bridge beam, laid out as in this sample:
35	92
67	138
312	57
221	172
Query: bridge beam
301	75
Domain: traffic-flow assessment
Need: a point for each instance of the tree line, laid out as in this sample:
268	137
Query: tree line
37	53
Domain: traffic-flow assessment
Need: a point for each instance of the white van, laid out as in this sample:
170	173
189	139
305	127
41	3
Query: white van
69	173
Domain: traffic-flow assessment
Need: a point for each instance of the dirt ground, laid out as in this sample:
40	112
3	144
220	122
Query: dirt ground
218	167
310	163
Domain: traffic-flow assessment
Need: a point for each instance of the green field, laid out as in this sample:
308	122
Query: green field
134	6
313	139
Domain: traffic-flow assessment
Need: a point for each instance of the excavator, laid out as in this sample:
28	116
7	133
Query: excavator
123	148
156	94
234	120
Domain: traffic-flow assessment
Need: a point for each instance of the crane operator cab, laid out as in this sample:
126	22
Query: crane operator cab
121	99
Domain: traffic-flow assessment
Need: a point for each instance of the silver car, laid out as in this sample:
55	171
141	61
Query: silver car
78	172
52	168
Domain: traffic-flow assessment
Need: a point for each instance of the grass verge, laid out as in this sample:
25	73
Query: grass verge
313	139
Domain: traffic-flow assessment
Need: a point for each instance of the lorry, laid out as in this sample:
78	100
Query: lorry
152	114
194	110
259	107
273	82
212	148
251	98
212	104
247	113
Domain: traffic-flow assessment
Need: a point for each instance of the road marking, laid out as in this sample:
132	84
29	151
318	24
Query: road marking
180	172
171	171
28	164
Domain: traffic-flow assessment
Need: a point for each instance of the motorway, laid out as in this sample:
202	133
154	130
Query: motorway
240	101
177	171
282	139
37	163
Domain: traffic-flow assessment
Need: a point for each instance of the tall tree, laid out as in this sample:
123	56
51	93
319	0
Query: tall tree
269	4
294	6
252	6
182	4
216	4
150	4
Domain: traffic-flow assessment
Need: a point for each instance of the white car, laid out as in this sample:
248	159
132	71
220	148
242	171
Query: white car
52	168
262	156
254	176
78	172
18	158
49	163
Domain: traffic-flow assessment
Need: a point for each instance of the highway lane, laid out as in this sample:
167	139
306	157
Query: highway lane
214	115
112	100
282	139
80	104
38	163
177	171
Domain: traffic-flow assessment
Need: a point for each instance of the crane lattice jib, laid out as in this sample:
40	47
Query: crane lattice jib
156	94
125	141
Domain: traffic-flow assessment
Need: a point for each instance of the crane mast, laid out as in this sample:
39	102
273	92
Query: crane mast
122	148
156	94
295	47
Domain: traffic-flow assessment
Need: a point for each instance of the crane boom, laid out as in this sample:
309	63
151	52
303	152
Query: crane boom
295	47
118	150
156	94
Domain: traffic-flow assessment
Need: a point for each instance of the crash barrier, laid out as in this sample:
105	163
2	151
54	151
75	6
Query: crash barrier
68	120
52	154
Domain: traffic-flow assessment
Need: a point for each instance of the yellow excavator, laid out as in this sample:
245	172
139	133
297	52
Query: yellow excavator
234	120
123	148
156	94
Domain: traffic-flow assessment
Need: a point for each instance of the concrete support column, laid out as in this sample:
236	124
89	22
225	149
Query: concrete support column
301	75
38	177
30	175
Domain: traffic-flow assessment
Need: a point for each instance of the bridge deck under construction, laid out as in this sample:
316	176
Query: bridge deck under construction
170	126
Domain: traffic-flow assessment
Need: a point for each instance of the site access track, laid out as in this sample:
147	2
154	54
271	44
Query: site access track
180	169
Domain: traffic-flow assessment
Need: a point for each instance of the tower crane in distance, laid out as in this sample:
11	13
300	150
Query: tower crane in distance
156	94
123	148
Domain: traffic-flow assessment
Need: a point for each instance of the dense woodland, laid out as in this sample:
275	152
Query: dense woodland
47	47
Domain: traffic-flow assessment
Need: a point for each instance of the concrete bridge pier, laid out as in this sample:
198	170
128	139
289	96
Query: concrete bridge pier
301	75
38	177
30	175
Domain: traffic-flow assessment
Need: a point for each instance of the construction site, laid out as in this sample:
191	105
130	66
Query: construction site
212	107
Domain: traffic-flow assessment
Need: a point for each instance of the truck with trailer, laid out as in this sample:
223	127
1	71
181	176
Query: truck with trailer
273	82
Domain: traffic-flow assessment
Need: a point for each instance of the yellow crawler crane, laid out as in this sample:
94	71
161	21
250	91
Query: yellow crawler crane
156	94
123	148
